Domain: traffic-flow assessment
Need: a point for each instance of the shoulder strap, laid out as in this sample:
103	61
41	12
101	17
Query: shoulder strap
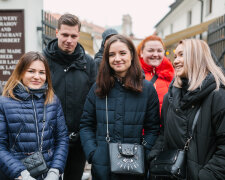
186	146
195	122
107	138
154	78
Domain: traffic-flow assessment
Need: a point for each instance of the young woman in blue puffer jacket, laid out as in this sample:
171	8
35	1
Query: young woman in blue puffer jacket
24	129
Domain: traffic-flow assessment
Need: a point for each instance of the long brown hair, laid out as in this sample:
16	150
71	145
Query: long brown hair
18	73
105	79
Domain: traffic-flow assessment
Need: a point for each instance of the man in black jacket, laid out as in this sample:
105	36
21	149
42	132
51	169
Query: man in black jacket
72	73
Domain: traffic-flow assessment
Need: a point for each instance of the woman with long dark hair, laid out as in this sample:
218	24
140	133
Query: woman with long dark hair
132	104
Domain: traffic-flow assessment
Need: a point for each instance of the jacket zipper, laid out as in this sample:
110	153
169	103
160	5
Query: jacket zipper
35	117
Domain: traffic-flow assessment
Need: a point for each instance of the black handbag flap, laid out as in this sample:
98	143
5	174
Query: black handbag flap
127	150
167	157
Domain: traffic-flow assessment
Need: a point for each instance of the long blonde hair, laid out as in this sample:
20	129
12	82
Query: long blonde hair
18	73
198	62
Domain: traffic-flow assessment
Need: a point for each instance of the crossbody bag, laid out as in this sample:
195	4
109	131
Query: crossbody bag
173	162
35	163
125	158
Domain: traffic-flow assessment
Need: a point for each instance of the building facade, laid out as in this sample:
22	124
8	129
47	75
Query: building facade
188	19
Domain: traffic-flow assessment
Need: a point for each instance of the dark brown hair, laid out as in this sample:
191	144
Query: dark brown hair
105	79
21	68
70	20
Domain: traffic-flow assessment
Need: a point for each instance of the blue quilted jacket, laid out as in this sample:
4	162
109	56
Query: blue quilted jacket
129	113
21	124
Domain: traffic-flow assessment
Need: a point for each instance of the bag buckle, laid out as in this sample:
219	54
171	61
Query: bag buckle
144	142
72	135
186	146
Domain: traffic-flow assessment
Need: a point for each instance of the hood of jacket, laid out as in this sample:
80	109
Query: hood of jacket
164	71
105	35
191	97
52	51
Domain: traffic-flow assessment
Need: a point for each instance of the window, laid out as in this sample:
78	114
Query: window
208	7
189	18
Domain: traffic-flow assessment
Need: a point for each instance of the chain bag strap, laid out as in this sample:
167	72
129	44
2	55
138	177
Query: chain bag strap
172	162
35	163
124	158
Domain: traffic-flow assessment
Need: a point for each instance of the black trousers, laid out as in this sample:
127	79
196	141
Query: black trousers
2	176
75	162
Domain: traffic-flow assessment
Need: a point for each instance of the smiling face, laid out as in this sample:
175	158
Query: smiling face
68	37
35	75
179	61
119	58
153	53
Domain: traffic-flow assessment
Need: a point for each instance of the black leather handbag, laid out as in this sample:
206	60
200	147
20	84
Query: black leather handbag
172	162
35	163
125	158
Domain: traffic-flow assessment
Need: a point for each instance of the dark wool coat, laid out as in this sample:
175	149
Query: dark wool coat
20	120
128	113
72	77
206	154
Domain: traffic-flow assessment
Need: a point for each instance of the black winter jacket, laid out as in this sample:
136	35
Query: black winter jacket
72	77
128	113
206	154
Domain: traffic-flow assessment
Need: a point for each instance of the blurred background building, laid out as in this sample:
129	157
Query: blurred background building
203	19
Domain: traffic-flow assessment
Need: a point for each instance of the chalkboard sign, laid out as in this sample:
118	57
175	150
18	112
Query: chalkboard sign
12	44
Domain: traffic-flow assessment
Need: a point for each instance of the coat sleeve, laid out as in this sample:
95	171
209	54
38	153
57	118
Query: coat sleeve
93	72
88	125
215	168
158	146
151	124
11	166
61	140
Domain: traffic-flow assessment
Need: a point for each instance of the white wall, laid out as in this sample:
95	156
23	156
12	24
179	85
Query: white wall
32	19
179	16
218	10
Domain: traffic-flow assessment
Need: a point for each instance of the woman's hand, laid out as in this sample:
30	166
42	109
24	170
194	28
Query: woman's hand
25	175
53	174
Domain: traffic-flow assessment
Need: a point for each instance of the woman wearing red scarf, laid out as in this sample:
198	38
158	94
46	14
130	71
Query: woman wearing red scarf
151	54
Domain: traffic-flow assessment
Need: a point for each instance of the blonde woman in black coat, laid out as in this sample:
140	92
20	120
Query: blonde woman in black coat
199	82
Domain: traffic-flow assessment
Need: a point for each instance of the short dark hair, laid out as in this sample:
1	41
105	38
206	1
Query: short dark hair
70	20
105	79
